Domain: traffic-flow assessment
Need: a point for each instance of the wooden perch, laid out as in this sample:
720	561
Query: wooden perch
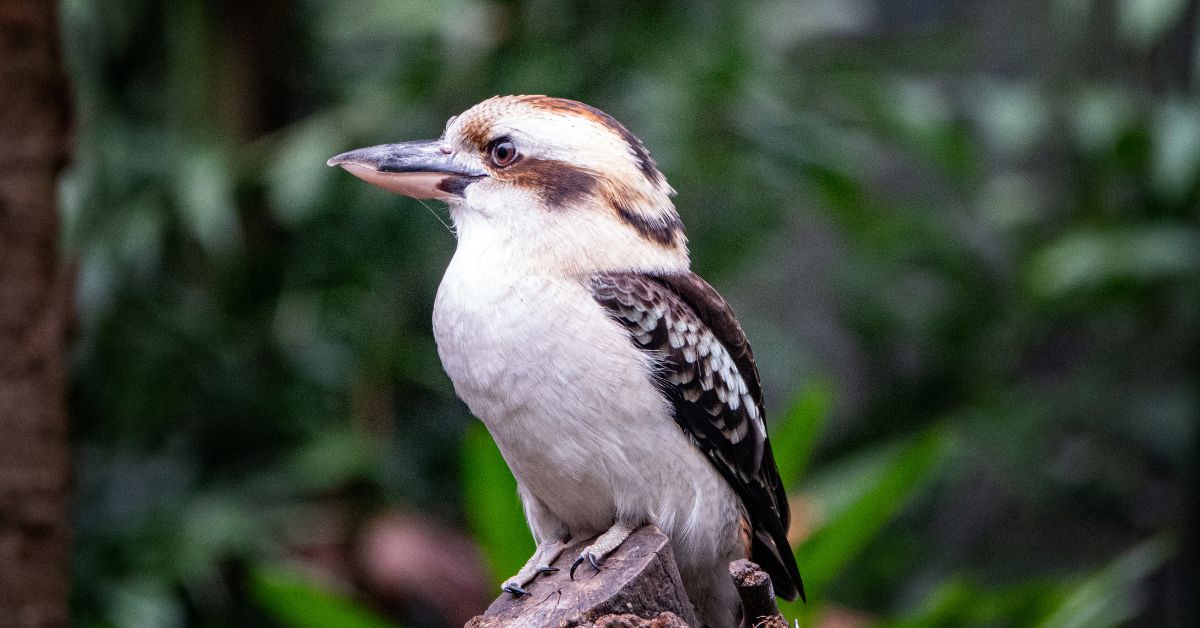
638	586
758	595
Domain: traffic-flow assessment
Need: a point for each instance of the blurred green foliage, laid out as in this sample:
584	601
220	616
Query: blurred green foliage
493	509
296	602
962	236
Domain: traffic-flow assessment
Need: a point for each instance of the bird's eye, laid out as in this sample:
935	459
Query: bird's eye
503	153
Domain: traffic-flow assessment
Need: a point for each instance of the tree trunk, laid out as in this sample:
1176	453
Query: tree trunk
34	303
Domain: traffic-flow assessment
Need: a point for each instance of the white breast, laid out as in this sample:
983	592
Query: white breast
535	359
573	406
569	400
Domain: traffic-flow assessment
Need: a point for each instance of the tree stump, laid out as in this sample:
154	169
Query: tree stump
638	586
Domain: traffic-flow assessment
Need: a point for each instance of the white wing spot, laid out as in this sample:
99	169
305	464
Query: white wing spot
738	432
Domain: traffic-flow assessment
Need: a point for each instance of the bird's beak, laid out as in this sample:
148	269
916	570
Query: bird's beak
422	169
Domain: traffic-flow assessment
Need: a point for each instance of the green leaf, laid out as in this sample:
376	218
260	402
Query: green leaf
299	603
1176	160
1109	598
877	491
493	509
1090	259
1143	22
332	458
963	601
296	175
795	437
205	189
1106	597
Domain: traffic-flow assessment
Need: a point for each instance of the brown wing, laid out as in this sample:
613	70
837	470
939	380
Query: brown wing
707	370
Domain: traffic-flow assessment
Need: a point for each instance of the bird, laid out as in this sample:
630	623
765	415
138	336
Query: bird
617	384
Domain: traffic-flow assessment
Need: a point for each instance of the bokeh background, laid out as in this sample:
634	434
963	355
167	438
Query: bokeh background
961	234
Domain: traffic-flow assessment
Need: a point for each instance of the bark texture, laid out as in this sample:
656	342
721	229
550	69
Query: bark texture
758	596
638	586
34	302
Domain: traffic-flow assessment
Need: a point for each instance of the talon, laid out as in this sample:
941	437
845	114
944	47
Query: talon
589	557
514	589
547	569
575	565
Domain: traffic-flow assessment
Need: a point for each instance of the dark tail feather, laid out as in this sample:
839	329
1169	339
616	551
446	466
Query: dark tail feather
780	565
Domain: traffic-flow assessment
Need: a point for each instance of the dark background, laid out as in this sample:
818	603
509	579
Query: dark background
961	235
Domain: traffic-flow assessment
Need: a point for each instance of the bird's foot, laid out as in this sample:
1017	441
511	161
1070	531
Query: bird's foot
547	552
603	546
514	588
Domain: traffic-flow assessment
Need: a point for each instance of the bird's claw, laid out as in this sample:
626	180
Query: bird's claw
515	589
547	569
588	556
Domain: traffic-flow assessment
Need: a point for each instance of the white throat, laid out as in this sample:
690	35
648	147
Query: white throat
514	232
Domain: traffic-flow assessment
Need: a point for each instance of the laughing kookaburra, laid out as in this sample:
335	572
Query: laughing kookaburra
617	384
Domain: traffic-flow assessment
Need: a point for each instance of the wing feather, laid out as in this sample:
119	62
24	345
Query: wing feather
707	370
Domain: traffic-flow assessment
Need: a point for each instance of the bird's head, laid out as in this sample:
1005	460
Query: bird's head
549	181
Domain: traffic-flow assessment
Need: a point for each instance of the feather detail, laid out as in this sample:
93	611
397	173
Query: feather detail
707	370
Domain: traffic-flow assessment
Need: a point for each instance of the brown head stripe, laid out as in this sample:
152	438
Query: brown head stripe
561	184
477	131
645	161
558	182
661	231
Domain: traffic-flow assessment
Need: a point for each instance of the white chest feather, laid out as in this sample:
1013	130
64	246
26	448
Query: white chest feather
568	398
537	360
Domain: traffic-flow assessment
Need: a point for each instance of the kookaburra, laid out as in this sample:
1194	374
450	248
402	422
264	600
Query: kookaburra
617	384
